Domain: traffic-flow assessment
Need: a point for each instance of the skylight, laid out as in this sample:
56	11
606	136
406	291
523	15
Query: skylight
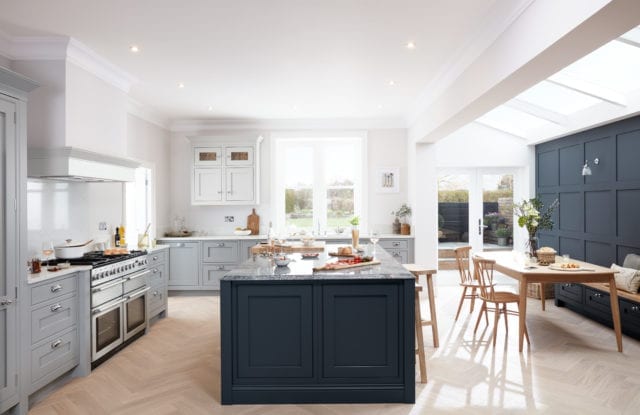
511	120
614	65
556	98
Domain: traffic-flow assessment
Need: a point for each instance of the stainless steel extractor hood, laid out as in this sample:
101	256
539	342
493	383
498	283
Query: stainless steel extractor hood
76	165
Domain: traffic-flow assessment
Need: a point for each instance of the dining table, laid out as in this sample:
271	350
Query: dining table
514	265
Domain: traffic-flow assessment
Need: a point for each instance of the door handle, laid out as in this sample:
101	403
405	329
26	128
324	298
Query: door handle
479	226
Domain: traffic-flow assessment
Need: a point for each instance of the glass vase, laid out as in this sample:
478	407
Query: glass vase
355	236
533	246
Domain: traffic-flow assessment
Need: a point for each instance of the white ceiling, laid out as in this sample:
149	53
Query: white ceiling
260	59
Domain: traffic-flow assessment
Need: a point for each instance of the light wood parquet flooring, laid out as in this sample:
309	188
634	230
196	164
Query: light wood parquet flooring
571	367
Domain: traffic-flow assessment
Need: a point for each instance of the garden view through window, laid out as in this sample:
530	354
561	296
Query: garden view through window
321	182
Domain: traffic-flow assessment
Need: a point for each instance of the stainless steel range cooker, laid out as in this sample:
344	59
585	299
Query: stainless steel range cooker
119	297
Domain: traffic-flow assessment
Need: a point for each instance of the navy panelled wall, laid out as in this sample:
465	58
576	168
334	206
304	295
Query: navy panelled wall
598	219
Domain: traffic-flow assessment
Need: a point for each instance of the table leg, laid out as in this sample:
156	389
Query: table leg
542	299
522	312
615	311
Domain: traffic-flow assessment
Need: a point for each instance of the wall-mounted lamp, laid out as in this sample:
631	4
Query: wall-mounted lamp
586	170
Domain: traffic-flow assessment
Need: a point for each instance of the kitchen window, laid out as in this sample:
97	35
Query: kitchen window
318	183
139	206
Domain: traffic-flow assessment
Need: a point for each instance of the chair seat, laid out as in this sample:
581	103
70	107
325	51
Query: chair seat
502	297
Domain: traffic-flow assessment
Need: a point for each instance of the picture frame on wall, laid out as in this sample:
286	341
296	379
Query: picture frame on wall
388	180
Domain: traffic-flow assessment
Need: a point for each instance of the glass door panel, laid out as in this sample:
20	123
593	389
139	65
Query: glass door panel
497	211
453	210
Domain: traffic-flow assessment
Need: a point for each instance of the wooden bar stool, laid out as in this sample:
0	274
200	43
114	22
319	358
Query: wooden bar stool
418	270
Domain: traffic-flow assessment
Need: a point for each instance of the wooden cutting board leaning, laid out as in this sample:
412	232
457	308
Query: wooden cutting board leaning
253	223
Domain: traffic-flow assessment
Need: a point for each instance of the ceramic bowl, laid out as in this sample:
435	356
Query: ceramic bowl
242	233
282	261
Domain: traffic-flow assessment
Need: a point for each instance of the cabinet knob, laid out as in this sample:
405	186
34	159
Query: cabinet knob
56	344
396	244
56	288
55	307
220	267
567	285
221	244
155	293
597	295
155	258
635	308
155	270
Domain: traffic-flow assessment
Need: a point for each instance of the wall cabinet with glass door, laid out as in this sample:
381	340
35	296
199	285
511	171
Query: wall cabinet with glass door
223	173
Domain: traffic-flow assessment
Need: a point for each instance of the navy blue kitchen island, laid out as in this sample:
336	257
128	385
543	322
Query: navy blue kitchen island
292	335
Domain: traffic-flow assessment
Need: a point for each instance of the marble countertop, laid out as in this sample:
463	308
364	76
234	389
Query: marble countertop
157	248
261	268
45	275
342	236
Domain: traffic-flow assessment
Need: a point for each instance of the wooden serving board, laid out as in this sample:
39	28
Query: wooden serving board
253	222
342	255
260	248
347	266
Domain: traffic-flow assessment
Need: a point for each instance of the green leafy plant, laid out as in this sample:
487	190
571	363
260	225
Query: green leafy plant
533	216
355	221
402	212
504	232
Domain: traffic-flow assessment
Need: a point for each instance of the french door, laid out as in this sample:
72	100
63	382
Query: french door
475	207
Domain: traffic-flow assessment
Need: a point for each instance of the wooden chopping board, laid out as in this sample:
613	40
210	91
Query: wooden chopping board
253	223
347	266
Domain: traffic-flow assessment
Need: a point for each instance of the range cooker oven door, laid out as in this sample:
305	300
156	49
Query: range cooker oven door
135	312
107	331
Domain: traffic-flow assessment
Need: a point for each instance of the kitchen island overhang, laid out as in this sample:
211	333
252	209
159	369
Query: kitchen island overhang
291	335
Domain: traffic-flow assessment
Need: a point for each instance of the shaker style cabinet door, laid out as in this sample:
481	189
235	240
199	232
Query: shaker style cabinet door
184	264
240	184
8	256
207	156
207	185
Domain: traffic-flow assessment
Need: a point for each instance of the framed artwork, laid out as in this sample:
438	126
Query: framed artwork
388	180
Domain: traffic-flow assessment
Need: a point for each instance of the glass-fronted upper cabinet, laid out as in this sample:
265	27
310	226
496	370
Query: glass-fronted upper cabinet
207	156
239	156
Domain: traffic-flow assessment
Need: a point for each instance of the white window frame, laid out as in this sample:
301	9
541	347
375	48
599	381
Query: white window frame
131	228
318	140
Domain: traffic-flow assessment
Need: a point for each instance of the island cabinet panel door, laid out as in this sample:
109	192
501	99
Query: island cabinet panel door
274	331
361	332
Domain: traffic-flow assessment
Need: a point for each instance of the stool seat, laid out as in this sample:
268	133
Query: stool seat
418	270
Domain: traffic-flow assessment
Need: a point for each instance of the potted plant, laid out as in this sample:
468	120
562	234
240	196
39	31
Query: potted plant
503	235
401	214
491	220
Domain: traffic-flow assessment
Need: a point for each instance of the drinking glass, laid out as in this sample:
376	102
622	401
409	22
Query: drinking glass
47	250
375	237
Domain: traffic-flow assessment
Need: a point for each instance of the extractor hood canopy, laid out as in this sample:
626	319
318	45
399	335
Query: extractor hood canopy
76	165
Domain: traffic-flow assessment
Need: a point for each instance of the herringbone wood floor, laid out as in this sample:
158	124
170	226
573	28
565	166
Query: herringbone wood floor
572	367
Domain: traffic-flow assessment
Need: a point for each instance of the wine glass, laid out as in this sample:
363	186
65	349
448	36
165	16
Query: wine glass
47	250
375	237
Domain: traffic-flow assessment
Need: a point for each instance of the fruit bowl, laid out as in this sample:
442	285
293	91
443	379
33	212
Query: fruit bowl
242	232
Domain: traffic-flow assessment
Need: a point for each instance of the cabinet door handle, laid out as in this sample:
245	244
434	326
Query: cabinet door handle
56	344
56	288
396	244
567	285
635	308
221	244
155	293
220	267
6	301
597	295
155	258
55	307
155	270
179	245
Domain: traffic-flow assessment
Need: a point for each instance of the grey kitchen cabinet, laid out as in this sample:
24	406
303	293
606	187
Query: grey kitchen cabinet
400	249
225	171
158	263
54	345
220	251
213	273
184	265
13	233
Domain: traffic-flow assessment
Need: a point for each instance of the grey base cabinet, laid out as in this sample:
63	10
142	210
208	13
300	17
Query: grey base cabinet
158	264
54	339
317	341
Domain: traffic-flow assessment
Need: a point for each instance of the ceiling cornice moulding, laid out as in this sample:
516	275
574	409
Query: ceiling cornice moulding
145	113
289	124
30	48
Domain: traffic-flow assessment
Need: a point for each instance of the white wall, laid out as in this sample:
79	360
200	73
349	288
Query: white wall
150	143
385	148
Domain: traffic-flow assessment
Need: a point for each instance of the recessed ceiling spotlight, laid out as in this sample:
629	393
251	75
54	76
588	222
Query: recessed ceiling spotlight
134	48
392	83
210	108
411	45
180	85
380	106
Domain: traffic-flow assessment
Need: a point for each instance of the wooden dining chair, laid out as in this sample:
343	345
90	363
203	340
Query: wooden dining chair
467	278
498	300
